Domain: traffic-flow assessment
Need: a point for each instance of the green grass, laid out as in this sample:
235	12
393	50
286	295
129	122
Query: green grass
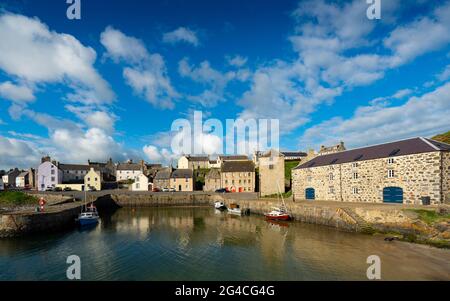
285	195
443	137
288	166
13	198
430	216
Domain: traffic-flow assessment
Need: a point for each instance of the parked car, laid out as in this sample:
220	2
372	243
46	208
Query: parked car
165	189
155	190
67	189
172	190
222	190
58	189
49	189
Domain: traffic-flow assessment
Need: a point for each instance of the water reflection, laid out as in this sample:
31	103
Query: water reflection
202	244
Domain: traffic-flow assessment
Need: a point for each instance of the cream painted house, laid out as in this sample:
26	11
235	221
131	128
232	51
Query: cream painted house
193	162
238	176
93	180
182	180
141	183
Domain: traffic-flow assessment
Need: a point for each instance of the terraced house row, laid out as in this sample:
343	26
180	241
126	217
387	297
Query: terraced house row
412	171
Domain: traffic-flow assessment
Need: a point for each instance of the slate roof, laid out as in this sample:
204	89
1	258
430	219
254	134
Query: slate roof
294	154
182	174
23	174
392	149
197	158
66	167
129	166
163	174
233	157
238	166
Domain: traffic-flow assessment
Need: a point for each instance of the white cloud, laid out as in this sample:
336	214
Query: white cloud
95	118
31	52
147	73
444	75
426	115
237	61
181	34
123	47
93	144
214	80
424	35
17	93
17	153
326	38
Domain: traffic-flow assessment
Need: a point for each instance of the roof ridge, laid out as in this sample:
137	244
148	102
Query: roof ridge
440	142
429	143
372	145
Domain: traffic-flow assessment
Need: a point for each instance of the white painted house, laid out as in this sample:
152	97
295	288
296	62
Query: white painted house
128	171
140	183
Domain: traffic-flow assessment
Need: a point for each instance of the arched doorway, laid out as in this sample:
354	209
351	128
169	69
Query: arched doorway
393	195
310	194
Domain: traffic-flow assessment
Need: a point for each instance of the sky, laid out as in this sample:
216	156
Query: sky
112	83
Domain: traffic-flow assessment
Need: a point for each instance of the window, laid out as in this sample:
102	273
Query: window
331	177
95	179
308	178
354	165
53	179
391	161
355	190
391	173
240	181
245	181
53	172
355	175
271	166
137	185
89	179
331	190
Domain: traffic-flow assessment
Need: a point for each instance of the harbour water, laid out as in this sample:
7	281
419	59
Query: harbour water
202	244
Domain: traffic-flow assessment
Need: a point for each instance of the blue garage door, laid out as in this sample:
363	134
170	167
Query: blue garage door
310	193
393	195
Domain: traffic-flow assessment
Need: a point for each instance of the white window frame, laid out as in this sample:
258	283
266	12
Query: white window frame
391	173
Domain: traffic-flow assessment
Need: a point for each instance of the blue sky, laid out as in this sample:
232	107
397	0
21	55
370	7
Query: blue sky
112	83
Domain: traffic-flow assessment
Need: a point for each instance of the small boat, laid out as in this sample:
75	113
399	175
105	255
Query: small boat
236	209
220	205
89	215
88	218
279	213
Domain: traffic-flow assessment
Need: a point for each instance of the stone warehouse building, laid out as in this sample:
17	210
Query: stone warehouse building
412	171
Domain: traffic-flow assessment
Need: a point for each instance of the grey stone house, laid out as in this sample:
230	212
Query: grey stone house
212	180
412	171
162	179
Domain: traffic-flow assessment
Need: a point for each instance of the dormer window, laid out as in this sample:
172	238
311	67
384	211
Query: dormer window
391	161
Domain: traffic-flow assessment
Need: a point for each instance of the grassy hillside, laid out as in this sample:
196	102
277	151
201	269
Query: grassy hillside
288	166
443	137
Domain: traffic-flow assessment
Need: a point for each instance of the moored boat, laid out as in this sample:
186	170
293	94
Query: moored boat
236	209
89	215
279	213
220	205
